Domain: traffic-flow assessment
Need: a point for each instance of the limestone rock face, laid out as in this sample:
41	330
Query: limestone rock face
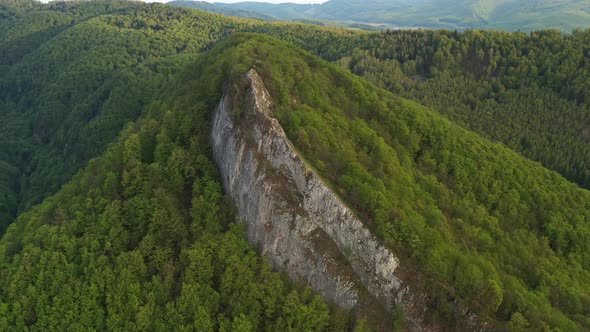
292	216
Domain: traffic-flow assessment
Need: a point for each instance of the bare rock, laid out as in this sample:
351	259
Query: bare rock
292	216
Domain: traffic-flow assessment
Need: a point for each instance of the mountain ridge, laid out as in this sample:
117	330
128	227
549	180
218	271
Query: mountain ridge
211	7
441	14
294	218
143	237
311	112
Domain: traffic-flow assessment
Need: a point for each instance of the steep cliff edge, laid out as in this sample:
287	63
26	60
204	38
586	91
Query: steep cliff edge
292	215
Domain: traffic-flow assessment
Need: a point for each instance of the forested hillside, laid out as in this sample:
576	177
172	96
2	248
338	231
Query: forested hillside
511	15
282	11
22	32
73	74
206	6
142	238
490	229
529	92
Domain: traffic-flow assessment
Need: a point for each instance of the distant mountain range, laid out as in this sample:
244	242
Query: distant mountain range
216	8
512	15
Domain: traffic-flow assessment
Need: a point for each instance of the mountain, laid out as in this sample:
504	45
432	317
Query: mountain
119	217
512	15
202	5
141	238
418	181
220	9
503	86
60	106
283	11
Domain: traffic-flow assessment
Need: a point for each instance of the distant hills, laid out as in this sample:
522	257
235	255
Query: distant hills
206	6
511	15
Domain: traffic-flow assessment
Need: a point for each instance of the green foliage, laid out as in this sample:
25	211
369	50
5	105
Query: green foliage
492	231
526	91
74	75
143	238
210	7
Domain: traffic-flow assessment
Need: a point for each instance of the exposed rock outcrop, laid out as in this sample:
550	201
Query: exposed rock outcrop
293	217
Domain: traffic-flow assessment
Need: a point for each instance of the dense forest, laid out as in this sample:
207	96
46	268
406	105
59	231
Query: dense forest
142	237
72	74
529	92
210	7
489	228
84	77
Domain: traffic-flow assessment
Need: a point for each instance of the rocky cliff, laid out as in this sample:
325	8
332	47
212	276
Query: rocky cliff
293	217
